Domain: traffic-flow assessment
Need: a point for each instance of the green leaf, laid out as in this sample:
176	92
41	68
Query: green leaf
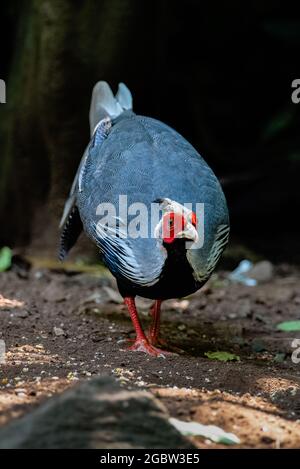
222	356
212	432
288	326
5	258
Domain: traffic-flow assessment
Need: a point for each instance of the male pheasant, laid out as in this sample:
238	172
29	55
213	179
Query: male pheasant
131	165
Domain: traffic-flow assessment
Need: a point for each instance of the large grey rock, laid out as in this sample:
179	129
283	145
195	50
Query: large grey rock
95	414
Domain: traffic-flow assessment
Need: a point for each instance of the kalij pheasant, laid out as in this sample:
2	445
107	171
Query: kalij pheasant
145	162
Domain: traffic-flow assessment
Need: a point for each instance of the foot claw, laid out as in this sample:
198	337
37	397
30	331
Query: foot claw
144	346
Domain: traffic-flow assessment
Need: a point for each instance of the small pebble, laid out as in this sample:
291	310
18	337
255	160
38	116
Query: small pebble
58	331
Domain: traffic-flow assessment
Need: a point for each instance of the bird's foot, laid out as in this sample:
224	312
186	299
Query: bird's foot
143	345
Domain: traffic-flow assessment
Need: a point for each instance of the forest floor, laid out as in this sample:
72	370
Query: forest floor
62	326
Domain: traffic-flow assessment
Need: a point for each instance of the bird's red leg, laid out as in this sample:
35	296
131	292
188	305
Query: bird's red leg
153	335
155	326
141	343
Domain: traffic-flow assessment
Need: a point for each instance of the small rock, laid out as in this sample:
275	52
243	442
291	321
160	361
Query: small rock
262	271
58	331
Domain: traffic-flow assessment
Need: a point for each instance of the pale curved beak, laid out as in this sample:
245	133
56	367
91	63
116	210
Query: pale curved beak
189	232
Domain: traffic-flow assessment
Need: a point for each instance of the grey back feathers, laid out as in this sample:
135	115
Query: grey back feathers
105	104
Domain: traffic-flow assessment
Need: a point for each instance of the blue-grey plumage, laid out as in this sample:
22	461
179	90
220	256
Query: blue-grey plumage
145	160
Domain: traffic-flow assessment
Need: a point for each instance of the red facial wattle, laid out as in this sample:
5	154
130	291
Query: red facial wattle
173	223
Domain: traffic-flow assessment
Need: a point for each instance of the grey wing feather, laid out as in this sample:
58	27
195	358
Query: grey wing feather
140	264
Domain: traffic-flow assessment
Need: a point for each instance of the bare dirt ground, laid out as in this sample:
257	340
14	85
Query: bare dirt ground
61	326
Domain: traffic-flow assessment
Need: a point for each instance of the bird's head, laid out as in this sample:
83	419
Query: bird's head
177	222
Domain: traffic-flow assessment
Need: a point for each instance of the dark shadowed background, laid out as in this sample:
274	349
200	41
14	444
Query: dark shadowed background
218	72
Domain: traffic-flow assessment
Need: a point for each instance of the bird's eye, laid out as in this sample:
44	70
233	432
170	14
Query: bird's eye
171	222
